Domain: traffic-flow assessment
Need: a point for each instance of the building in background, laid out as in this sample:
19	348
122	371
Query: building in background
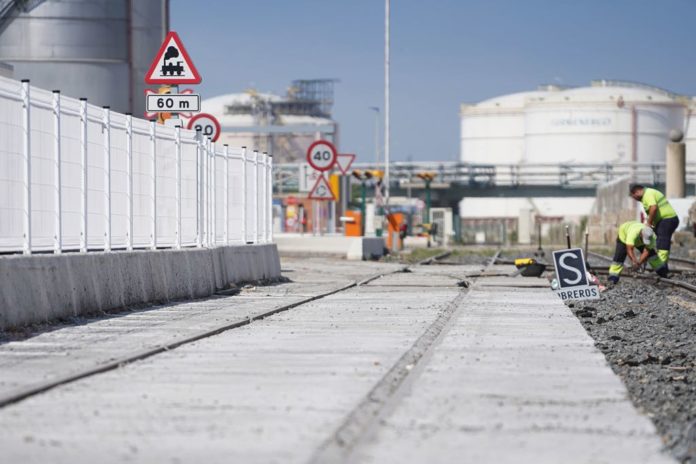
98	49
605	124
284	126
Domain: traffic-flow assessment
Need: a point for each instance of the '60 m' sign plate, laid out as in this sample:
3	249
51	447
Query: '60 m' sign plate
173	103
321	155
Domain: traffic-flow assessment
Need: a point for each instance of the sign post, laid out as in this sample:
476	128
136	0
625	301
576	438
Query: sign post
172	66
571	275
321	155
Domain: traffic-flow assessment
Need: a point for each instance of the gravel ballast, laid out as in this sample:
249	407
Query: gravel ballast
648	335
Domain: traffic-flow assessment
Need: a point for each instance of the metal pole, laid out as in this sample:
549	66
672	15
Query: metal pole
84	242
199	189
177	143
264	198
107	178
363	209
256	196
129	170
269	189
26	126
387	114
58	235
227	194
567	233
213	195
153	152
244	195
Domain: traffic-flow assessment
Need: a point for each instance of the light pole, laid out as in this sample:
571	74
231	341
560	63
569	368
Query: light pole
386	101
376	110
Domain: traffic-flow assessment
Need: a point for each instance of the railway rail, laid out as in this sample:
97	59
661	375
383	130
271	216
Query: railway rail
120	361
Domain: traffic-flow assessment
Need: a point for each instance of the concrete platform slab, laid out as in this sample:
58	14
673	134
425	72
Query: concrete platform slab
515	380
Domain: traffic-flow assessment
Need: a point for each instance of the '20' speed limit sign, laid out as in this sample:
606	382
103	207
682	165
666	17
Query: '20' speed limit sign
321	155
207	124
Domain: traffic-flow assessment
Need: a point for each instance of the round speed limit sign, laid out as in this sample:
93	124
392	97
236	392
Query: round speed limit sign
207	124
321	155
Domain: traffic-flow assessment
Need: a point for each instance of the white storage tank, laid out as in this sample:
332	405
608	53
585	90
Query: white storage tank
607	122
98	49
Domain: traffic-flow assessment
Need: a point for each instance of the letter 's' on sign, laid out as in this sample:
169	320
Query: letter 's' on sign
570	267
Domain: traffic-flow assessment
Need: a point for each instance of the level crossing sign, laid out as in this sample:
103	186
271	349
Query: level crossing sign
207	124
321	155
344	162
172	65
571	275
322	190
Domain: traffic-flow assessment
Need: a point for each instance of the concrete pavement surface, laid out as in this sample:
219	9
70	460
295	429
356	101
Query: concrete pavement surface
85	343
510	377
515	380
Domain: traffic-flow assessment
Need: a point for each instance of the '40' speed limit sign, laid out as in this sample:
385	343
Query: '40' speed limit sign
321	155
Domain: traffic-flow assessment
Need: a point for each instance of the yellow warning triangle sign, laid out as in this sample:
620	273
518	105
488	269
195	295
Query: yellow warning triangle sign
321	190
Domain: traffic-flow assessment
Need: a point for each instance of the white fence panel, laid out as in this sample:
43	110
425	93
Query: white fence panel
71	174
235	192
12	164
74	176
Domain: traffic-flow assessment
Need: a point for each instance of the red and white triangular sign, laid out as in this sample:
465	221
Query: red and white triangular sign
344	163
172	65
321	190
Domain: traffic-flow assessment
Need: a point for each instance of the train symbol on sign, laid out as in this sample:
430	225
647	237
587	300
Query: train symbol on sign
172	65
169	68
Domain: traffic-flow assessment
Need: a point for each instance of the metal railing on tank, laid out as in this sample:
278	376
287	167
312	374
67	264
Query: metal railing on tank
77	177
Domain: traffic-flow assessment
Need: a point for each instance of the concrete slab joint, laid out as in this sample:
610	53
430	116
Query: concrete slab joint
43	288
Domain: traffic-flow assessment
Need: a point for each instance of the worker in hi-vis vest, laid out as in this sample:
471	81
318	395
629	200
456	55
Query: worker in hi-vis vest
634	235
660	216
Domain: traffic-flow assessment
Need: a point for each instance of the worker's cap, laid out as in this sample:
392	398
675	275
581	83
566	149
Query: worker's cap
646	234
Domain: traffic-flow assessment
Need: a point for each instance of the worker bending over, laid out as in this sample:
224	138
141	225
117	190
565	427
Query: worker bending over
660	216
634	235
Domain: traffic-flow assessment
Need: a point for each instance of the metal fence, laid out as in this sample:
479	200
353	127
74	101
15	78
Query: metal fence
74	176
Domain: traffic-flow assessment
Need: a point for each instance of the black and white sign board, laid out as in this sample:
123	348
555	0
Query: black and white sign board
173	103
571	275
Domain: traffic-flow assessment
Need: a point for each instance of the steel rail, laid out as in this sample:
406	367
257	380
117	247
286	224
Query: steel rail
44	386
657	279
355	428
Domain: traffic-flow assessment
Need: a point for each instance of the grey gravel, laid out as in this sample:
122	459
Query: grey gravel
648	335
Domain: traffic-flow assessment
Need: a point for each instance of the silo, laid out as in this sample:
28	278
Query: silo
601	124
86	48
492	132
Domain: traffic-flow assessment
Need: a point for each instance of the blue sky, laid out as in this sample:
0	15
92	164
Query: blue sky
444	52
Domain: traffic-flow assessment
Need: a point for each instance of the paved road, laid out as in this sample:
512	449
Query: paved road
408	368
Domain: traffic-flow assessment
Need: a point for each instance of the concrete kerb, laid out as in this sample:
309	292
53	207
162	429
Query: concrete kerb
44	288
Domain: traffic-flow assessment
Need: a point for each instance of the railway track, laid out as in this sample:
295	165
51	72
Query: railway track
671	282
37	388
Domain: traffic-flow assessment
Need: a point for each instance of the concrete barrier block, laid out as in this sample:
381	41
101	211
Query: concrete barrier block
43	288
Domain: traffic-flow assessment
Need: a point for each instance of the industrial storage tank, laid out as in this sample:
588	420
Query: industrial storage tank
99	49
492	131
284	126
607	122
